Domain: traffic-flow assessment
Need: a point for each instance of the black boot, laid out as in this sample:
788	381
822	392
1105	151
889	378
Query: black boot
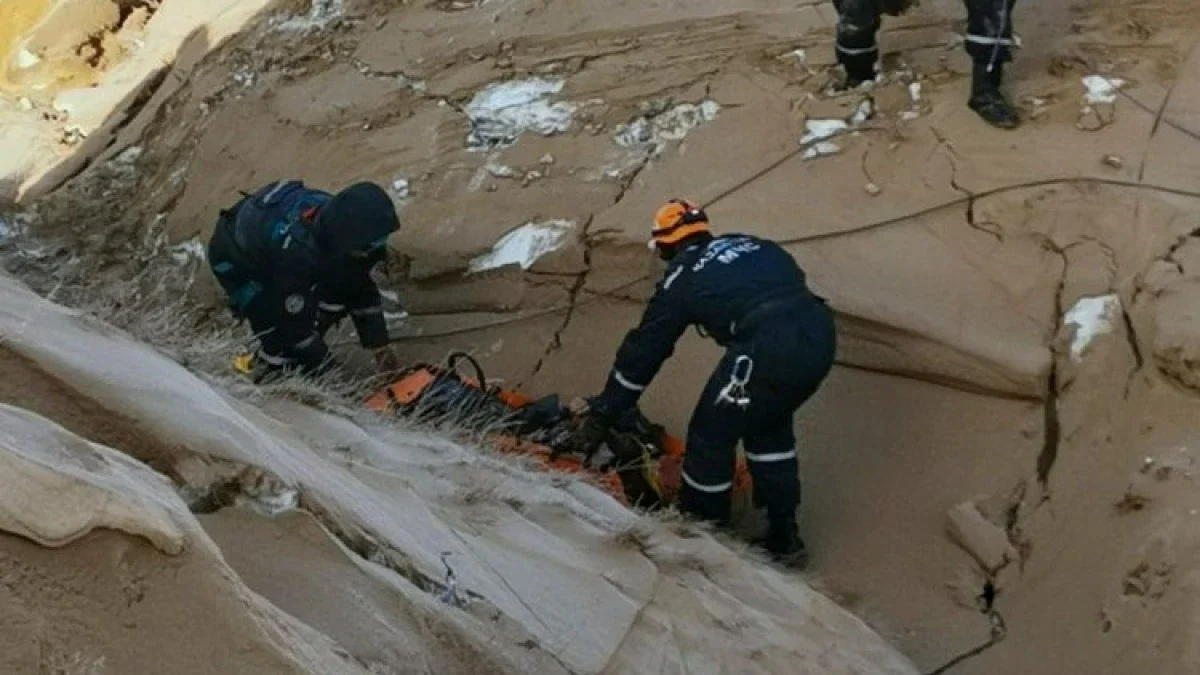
987	100
859	68
784	544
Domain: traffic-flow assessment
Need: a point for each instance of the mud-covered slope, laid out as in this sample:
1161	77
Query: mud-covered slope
548	575
106	570
996	476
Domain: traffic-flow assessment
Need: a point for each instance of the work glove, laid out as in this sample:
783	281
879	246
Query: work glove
595	407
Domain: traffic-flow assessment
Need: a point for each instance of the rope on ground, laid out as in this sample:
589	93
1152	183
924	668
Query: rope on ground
959	201
967	199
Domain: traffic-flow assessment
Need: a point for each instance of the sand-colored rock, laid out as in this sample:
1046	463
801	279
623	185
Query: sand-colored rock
983	539
105	568
59	488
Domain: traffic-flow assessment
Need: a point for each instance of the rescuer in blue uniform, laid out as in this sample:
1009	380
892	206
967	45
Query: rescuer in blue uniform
294	261
750	296
989	42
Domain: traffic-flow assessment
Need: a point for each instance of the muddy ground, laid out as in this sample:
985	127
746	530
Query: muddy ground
1002	464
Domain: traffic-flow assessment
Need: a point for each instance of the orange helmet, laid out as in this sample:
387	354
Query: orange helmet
675	221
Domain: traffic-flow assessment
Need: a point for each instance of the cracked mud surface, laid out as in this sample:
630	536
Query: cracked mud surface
953	254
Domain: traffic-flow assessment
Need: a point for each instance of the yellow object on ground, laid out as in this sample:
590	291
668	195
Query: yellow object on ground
244	363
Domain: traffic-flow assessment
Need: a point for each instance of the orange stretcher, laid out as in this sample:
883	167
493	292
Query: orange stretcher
639	466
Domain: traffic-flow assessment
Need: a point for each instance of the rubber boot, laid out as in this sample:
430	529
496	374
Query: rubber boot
988	101
784	544
859	68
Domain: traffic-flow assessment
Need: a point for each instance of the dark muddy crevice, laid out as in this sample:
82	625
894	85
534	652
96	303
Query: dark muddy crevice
1135	349
998	629
1052	425
999	632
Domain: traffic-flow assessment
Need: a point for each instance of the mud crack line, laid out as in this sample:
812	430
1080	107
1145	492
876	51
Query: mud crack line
999	629
572	297
999	632
1052	426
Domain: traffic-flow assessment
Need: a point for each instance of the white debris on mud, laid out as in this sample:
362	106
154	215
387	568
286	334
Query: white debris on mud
1091	317
321	13
822	149
271	503
673	124
401	188
819	130
187	251
524	245
1101	89
502	111
490	170
862	113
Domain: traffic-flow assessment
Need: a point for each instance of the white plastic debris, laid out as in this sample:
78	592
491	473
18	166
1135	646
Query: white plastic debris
823	149
671	125
1101	89
914	92
800	55
819	130
401	188
501	112
186	251
862	113
1091	317
524	245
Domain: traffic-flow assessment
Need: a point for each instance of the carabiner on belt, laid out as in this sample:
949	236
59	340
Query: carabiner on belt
735	392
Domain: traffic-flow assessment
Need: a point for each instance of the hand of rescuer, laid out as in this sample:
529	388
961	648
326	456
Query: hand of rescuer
624	418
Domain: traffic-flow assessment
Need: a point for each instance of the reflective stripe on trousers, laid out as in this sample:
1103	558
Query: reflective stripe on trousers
709	489
768	457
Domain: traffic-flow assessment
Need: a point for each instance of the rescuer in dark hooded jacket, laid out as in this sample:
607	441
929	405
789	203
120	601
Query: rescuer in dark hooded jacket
294	261
750	296
989	42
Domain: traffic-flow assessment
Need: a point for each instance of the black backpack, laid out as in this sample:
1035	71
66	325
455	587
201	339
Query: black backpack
247	232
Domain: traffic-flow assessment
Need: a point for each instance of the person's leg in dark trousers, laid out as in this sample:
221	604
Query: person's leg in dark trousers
706	488
856	46
792	359
989	42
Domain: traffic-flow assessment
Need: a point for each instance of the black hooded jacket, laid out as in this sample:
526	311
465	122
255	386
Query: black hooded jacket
294	260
